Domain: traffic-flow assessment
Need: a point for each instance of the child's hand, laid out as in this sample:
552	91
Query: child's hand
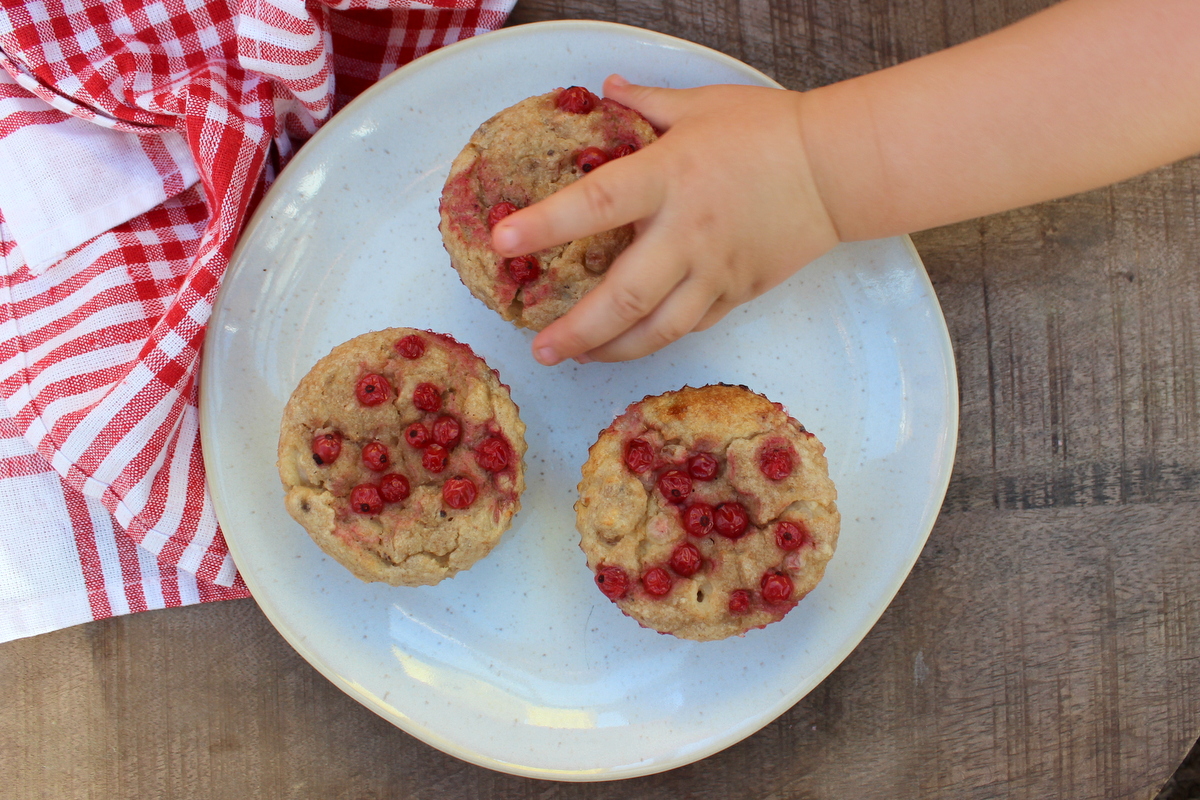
724	207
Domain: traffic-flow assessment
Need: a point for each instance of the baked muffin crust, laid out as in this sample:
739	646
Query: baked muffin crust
401	455
707	512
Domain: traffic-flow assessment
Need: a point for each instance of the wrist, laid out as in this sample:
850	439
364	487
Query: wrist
814	195
845	162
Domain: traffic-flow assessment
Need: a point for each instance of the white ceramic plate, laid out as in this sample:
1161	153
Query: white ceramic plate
520	664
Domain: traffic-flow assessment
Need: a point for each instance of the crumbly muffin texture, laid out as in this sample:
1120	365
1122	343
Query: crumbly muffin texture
707	512
401	455
518	157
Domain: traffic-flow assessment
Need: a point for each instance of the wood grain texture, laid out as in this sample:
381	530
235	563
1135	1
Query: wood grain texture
1077	347
1047	644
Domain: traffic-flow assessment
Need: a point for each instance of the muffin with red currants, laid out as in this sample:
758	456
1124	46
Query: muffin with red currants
401	455
705	513
522	155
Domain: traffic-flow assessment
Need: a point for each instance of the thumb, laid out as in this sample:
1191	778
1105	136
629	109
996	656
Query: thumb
661	107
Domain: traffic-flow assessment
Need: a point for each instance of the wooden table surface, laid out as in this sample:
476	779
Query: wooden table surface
1046	645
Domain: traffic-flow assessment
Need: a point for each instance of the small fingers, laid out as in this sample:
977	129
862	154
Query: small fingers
630	291
612	195
661	107
677	315
625	190
715	314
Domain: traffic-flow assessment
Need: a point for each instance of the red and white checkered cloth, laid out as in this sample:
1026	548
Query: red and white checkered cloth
135	137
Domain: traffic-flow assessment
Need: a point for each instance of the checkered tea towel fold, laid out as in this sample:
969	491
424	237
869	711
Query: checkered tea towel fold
135	137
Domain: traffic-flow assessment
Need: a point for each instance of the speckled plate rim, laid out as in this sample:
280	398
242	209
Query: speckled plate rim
753	721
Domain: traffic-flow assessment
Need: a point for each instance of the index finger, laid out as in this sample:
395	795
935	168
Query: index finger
611	195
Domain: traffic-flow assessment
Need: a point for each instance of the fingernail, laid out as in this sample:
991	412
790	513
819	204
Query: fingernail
546	355
618	80
583	359
505	239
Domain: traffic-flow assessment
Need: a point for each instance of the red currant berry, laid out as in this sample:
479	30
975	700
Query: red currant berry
739	601
589	158
372	389
499	212
446	431
417	435
494	454
776	588
698	519
657	581
365	499
790	535
459	492
730	520
639	456
411	347
686	560
703	467
375	456
427	397
675	486
326	447
613	582
435	457
524	269
622	150
576	100
775	463
393	487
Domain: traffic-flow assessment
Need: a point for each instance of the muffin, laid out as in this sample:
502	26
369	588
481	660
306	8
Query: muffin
401	455
707	512
518	157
